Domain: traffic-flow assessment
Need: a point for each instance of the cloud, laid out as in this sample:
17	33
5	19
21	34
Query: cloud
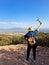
22	24
19	23
13	24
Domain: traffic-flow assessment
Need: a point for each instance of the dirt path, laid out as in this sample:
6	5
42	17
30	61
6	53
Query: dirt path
15	54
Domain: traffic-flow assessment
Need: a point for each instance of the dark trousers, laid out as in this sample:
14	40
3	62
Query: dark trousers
33	47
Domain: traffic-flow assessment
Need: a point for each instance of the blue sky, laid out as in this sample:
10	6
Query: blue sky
23	13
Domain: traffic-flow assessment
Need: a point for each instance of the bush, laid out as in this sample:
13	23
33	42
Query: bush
5	40
17	40
43	39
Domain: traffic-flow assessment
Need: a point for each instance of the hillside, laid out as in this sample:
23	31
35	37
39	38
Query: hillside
15	54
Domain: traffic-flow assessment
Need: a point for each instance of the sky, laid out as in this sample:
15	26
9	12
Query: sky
24	13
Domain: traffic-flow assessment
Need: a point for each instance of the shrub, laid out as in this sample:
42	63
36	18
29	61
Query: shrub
43	39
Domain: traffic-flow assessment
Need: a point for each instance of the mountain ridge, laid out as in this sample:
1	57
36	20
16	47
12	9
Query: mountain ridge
17	29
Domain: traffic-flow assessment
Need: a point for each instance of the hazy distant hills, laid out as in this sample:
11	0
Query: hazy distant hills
46	30
14	30
22	30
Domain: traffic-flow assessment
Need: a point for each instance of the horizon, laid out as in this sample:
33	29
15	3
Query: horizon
21	30
24	13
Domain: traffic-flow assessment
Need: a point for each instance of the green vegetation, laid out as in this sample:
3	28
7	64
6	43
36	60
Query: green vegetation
10	39
43	39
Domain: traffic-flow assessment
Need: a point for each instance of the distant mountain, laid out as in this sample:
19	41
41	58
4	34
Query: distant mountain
44	30
21	30
13	30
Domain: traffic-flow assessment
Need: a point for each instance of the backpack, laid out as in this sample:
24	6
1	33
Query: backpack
31	40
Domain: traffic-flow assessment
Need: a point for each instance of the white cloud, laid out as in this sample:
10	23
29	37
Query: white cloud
12	24
22	24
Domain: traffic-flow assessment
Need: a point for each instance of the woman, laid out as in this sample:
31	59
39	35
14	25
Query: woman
32	33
